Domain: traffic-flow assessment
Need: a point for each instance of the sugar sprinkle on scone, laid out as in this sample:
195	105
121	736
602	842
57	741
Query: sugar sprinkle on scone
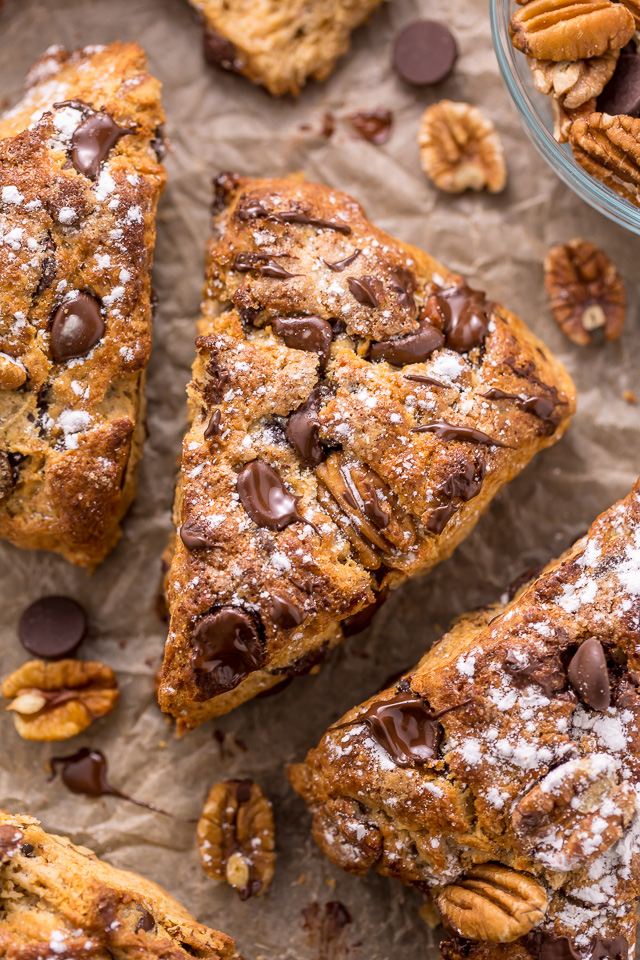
79	185
60	900
502	774
355	406
280	45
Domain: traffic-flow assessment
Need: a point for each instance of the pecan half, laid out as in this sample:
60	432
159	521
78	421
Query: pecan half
494	903
365	508
634	7
574	814
586	291
460	149
609	149
571	29
345	837
55	701
574	81
236	837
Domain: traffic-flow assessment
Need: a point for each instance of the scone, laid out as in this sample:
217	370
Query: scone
503	774
79	184
60	900
354	408
280	45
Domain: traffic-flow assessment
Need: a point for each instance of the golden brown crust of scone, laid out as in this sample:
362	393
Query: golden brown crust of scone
61	900
280	46
71	434
506	672
247	375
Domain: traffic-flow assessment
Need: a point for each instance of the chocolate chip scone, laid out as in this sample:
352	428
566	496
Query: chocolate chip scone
79	184
280	45
355	407
60	900
502	775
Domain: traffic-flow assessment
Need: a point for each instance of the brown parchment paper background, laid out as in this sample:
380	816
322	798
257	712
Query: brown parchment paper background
215	122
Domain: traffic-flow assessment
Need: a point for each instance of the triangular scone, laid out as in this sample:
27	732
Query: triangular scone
79	185
503	774
355	407
280	45
60	900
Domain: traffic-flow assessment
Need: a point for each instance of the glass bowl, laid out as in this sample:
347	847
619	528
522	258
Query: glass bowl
534	111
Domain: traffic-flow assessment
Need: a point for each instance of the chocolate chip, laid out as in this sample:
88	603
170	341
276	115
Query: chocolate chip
303	431
543	408
52	627
93	138
146	922
357	622
220	52
213	427
424	52
339	265
306	333
414	348
265	497
589	676
449	431
465	317
193	536
28	849
621	96
77	326
362	289
404	727
284	612
372	125
226	649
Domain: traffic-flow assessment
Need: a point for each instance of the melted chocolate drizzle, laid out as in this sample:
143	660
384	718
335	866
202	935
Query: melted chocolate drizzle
213	428
422	378
85	772
362	290
339	265
357	622
254	210
449	431
264	264
284	612
464	485
93	137
227	647
541	407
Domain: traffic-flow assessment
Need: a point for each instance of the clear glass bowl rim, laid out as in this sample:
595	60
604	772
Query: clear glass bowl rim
596	194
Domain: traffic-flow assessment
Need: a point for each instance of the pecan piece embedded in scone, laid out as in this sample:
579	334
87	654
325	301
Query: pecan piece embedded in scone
571	29
55	701
354	408
502	775
79	185
281	45
60	900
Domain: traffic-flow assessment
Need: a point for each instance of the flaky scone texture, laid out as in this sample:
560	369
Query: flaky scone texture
77	232
312	480
280	45
60	900
533	765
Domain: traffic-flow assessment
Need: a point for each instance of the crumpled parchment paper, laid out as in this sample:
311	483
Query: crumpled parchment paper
217	122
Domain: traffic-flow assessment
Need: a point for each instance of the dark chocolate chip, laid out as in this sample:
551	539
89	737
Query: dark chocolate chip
589	676
305	663
284	612
193	536
362	289
145	922
543	945
213	427
449	431
404	727
306	333
424	52
93	138
372	125
414	348
621	96
52	627
543	408
465	317
428	381
303	431
27	850
85	772
77	326
226	648
265	497
547	673
357	622
220	52
339	265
